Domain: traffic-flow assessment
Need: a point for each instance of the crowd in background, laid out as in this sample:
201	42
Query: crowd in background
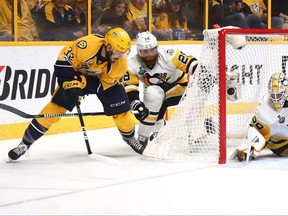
247	13
65	20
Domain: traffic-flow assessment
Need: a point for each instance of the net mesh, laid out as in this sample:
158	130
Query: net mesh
193	130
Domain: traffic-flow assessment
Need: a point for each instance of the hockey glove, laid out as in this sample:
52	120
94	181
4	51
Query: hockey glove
73	88
139	106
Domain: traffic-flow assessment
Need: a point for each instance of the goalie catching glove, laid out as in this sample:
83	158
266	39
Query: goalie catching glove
73	88
140	107
254	141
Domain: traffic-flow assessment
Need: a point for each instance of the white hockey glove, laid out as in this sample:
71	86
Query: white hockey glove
252	146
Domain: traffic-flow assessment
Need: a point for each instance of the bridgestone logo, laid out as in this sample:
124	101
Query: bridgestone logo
26	85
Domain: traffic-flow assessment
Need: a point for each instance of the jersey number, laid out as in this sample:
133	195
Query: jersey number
69	54
183	58
126	77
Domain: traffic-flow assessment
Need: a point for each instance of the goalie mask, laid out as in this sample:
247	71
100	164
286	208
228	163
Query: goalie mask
147	47
277	88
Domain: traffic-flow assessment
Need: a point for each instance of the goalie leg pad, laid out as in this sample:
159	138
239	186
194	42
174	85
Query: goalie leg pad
278	145
255	140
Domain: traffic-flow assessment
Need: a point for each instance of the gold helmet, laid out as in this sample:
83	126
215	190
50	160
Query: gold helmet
277	88
119	39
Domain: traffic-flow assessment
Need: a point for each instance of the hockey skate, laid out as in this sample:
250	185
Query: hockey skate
143	140
135	144
16	153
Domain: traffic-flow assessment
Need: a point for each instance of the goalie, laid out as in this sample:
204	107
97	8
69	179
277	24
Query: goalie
269	126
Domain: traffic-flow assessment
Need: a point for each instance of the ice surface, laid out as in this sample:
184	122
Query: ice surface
60	179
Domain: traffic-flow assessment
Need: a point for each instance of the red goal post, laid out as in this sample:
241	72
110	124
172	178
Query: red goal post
222	94
276	36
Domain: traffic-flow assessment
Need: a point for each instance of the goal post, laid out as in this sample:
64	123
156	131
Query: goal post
222	94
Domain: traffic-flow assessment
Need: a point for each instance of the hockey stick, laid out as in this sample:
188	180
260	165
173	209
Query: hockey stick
26	115
105	159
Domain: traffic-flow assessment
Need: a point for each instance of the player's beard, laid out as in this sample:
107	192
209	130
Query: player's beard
113	56
108	56
149	60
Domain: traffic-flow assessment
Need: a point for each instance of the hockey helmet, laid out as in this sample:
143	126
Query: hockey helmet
119	39
145	40
277	88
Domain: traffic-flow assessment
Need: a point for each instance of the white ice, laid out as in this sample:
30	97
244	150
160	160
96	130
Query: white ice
60	179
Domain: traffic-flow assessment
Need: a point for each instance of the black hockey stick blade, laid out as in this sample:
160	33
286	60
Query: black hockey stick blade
26	115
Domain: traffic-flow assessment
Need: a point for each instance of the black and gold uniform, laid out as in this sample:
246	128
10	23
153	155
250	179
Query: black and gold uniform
91	65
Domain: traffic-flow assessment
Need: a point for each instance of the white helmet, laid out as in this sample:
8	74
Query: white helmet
145	40
277	88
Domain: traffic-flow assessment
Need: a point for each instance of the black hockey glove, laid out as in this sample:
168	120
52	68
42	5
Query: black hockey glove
73	88
139	106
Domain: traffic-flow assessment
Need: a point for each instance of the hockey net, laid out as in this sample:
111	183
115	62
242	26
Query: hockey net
208	119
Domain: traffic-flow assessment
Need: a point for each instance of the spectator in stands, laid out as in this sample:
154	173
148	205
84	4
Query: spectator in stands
57	21
193	10
256	13
137	15
115	15
98	6
172	18
96	11
158	6
71	2
26	26
35	5
80	7
227	13
280	11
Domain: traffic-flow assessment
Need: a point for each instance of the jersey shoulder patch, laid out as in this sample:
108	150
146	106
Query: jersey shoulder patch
82	44
170	52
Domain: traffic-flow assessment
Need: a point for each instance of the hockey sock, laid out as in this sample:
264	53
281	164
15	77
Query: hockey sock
127	135
33	132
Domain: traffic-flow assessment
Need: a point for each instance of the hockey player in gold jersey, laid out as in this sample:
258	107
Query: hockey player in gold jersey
91	65
164	76
269	126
